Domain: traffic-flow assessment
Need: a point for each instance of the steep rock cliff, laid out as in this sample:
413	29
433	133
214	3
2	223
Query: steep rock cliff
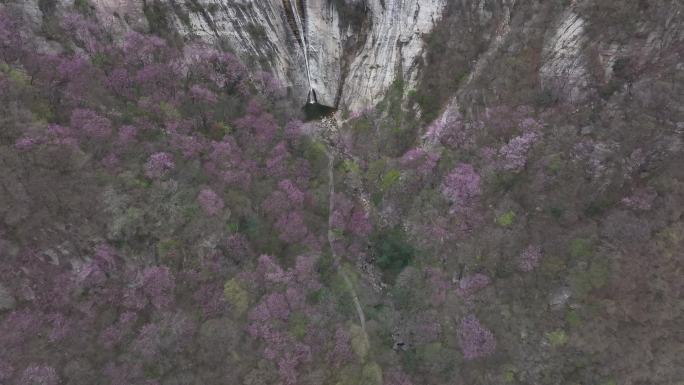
356	48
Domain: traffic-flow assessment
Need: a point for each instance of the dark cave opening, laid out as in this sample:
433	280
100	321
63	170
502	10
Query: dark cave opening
314	110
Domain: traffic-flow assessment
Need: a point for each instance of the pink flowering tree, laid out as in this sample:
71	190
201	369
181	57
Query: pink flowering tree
286	205
159	164
641	199
476	341
90	125
341	352
158	285
39	375
529	258
227	163
396	376
513	155
461	188
470	284
269	318
210	202
423	162
257	128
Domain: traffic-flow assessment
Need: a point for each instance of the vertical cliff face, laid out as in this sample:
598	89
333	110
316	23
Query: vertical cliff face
393	48
345	70
356	48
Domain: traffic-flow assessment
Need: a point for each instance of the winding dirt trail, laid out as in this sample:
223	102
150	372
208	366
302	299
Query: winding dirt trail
331	240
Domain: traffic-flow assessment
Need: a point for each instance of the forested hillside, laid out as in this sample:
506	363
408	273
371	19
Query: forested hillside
512	214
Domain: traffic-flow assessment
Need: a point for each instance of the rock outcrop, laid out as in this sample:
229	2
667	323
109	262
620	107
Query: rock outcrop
564	65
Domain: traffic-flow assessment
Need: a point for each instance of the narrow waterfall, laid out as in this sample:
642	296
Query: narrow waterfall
312	109
305	48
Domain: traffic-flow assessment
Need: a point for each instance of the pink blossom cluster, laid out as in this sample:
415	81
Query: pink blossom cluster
158	286
227	163
83	30
529	258
286	204
145	49
439	284
423	162
159	164
514	153
188	145
278	160
113	334
350	217
210	202
209	297
26	143
341	352
462	187
476	341
268	319
471	284
202	94
269	85
396	376
222	69
294	195
6	370
90	124
450	123
39	375
641	199
257	125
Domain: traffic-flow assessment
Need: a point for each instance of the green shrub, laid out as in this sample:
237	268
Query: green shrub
349	166
233	227
339	292
509	374
392	251
557	338
298	323
595	276
315	153
506	219
403	297
580	247
371	374
361	125
556	212
390	179
376	198
597	207
359	341
236	295
572	318
555	164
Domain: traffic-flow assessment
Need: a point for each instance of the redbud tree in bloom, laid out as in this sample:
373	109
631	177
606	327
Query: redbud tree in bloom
39	375
514	154
158	165
529	258
89	124
461	187
475	340
210	202
471	284
268	320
